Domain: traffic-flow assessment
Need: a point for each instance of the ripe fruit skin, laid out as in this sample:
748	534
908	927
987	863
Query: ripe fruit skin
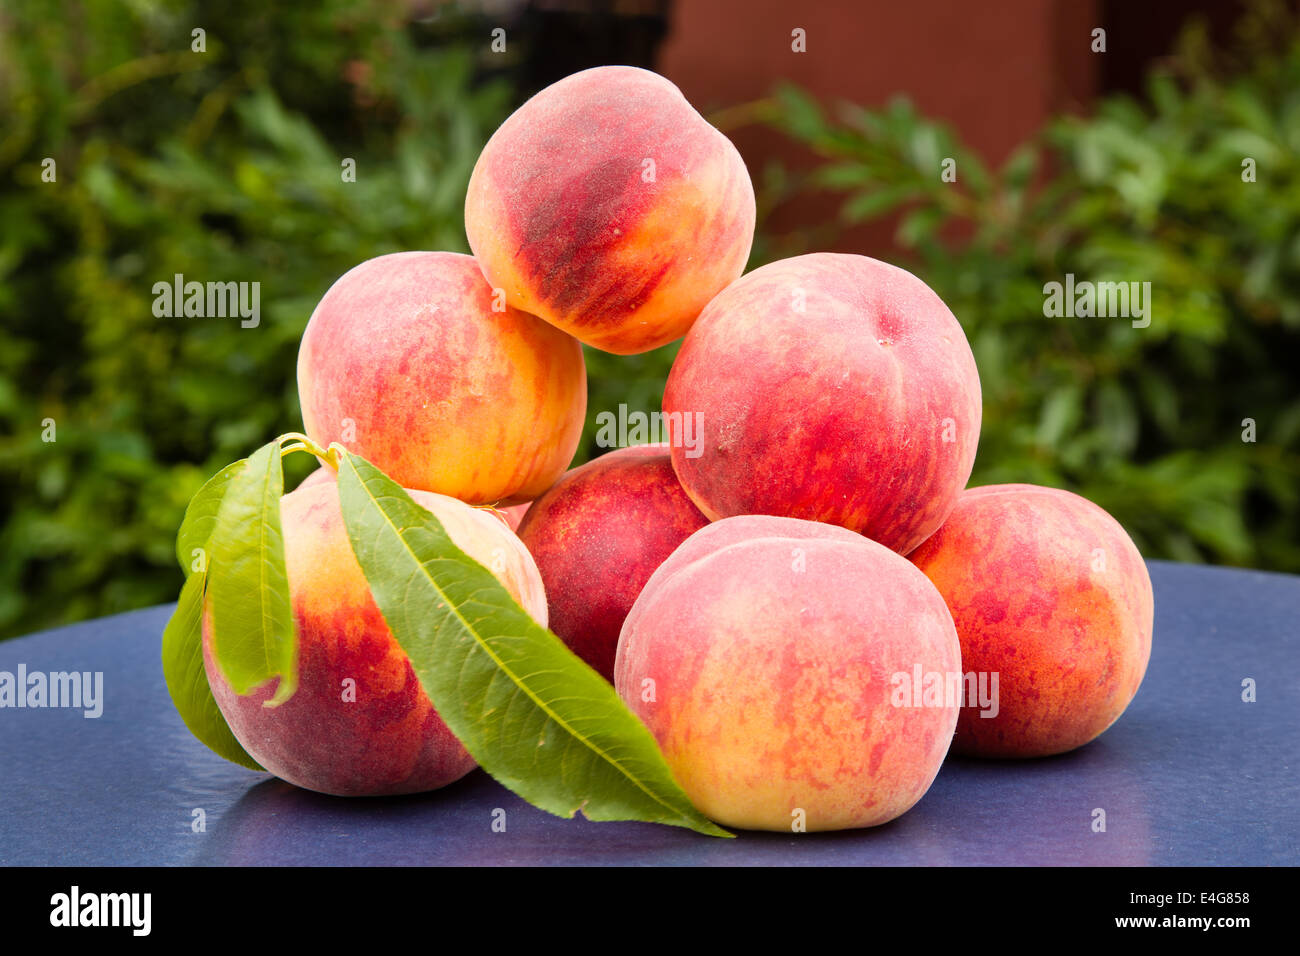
390	740
1048	591
598	535
405	363
763	663
321	475
512	515
720	534
609	207
832	388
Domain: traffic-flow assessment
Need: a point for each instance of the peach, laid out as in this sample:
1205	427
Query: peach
721	534
609	207
1048	592
827	387
598	535
410	362
765	656
322	474
378	734
512	515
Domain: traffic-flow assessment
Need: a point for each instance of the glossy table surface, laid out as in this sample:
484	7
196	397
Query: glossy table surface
1190	775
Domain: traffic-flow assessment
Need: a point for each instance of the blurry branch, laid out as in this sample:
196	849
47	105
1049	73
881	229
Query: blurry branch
212	106
88	97
22	123
756	112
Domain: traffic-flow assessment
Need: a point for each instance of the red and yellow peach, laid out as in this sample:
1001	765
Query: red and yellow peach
410	362
598	535
359	723
764	655
609	207
1049	593
832	388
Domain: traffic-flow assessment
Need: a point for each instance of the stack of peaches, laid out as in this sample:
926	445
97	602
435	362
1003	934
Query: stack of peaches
795	592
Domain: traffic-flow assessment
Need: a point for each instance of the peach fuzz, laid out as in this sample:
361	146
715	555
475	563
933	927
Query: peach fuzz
390	740
1050	593
598	535
832	388
609	207
406	363
763	661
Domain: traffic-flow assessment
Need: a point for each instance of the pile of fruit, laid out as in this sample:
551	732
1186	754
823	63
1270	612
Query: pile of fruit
795	593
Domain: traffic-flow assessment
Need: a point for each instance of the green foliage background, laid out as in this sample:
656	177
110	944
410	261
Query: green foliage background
225	165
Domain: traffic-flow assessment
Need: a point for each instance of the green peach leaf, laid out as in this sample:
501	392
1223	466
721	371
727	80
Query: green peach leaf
187	681
253	637
528	709
201	516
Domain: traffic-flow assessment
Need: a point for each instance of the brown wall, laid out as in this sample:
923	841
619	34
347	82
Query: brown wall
995	70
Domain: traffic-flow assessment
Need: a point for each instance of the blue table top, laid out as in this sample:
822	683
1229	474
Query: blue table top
1190	775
